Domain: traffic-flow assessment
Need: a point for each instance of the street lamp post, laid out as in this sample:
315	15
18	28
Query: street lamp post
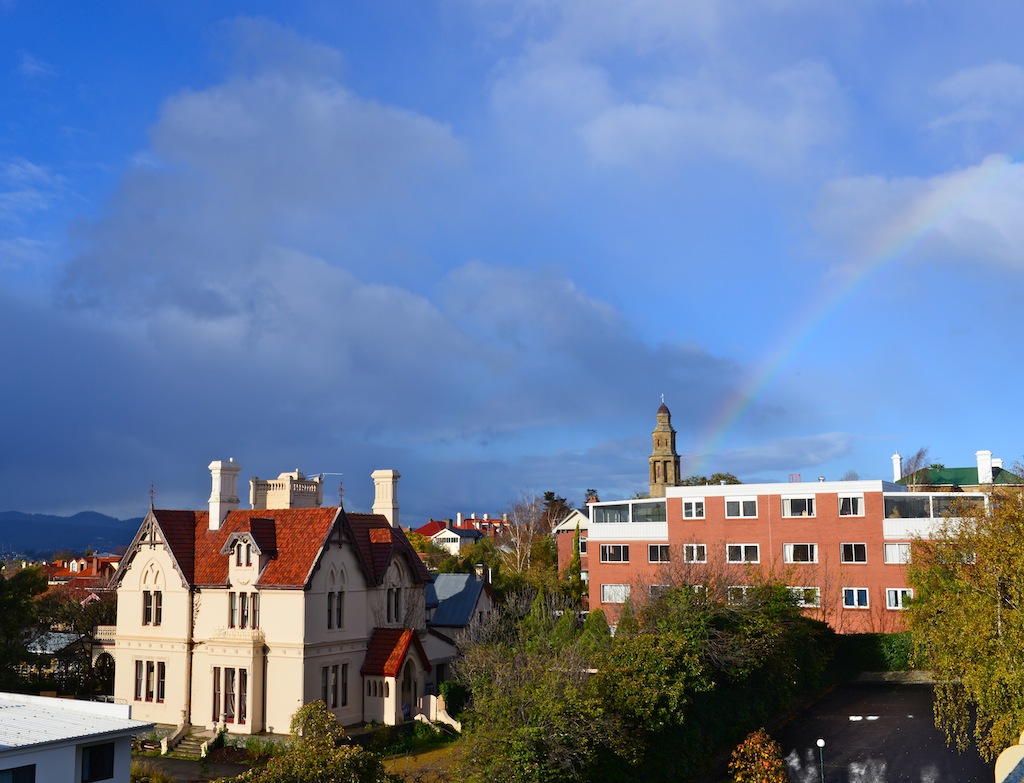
821	758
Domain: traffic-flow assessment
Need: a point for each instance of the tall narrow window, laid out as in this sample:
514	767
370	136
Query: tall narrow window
339	610
238	553
248	554
233	610
161	679
334	686
147	607
344	685
229	695
330	610
255	610
149	680
158	607
398	604
324	673
216	694
140	679
243	609
243	692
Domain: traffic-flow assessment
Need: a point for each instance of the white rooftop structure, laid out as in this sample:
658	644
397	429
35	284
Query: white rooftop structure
66	739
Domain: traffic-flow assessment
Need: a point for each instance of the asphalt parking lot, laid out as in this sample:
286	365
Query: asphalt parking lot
875	733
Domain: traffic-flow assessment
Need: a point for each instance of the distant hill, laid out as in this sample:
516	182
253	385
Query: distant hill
44	534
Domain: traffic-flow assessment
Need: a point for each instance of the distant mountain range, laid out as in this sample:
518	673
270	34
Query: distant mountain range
40	535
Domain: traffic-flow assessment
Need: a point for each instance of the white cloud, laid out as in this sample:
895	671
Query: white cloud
983	94
26	187
783	116
971	215
33	68
651	84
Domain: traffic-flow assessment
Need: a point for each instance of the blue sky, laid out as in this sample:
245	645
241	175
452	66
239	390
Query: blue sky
476	241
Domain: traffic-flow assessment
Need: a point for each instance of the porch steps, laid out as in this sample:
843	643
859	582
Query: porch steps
191	746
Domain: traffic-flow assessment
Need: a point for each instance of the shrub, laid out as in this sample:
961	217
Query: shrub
145	772
455	696
758	759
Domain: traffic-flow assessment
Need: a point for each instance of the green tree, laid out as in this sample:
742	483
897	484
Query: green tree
716	478
315	755
533	715
17	618
967	621
574	572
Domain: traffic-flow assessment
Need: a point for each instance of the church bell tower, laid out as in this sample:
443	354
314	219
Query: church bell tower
664	459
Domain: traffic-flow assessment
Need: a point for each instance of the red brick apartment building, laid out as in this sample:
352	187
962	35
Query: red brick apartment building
842	546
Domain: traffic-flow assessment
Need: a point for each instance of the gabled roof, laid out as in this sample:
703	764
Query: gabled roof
292	540
462	533
456	597
433	526
387	649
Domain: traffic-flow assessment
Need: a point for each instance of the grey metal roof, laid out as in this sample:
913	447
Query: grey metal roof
456	596
38	720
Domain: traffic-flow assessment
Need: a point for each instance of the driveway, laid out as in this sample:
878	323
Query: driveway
186	771
876	733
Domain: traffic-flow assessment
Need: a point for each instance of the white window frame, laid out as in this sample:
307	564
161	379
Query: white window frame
695	553
788	502
614	593
801	594
855	593
896	597
789	553
660	549
852	560
897	553
693	508
856	498
744	558
583	545
607	549
741	508
736	594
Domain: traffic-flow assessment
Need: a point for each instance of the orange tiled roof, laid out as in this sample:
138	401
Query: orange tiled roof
387	649
292	538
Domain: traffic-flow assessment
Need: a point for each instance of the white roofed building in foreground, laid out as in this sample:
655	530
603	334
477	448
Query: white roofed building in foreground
44	739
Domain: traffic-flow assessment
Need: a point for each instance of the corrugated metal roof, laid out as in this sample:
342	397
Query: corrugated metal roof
37	720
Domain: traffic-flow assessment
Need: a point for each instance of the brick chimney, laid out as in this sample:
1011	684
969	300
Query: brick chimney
224	495
385	500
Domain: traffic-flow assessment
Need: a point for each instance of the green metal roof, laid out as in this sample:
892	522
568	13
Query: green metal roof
957	477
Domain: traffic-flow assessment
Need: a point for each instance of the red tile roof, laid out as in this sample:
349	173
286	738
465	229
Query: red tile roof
433	526
293	539
387	649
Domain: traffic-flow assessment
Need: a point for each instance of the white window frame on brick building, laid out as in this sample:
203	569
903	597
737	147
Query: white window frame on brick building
743	553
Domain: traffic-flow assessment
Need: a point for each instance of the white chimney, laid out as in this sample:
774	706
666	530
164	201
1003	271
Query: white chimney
224	495
984	466
385	500
458	519
897	467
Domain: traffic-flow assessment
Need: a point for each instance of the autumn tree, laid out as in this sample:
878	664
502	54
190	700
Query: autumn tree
967	620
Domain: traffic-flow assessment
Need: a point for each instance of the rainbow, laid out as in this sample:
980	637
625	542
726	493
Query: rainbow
925	215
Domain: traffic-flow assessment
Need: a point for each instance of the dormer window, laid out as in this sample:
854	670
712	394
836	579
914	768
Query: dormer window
248	553
238	553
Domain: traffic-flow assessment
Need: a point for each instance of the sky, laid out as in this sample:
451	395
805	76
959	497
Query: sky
477	241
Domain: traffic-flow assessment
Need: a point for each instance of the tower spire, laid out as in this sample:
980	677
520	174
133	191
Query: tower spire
664	461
